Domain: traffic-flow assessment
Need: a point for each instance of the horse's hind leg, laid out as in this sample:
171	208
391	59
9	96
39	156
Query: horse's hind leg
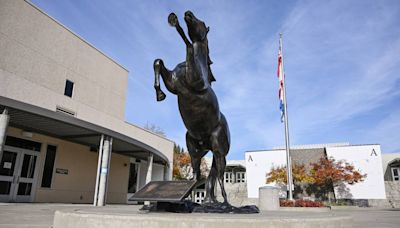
220	141
210	184
196	154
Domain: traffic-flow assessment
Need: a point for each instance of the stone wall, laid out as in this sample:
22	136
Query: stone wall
237	194
392	196
393	193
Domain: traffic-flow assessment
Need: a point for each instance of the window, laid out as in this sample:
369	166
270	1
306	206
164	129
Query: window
69	87
23	143
199	195
396	174
49	166
228	177
241	177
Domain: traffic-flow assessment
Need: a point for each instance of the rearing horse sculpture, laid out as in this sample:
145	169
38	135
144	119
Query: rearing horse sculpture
207	128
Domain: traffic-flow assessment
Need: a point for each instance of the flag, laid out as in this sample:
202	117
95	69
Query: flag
281	78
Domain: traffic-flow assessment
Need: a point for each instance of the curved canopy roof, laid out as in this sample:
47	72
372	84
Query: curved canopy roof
36	119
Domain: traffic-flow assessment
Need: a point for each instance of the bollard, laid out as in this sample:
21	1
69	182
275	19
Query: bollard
268	198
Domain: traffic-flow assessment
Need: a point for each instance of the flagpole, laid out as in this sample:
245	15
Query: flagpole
286	120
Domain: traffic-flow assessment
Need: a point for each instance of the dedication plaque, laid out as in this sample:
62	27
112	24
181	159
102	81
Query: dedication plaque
164	191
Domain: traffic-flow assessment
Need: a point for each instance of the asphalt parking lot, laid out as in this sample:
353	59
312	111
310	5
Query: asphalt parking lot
41	215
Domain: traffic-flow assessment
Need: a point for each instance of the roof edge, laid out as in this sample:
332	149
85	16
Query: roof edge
75	34
265	150
144	129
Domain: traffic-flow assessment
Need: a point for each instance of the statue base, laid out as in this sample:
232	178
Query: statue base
191	207
225	208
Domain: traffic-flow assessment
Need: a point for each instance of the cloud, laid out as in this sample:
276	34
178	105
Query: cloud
337	65
384	131
341	63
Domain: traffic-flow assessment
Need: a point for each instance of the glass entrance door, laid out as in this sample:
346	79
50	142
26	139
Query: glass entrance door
17	174
8	164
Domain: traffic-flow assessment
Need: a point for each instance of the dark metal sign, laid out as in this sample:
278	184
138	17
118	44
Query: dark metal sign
164	191
62	171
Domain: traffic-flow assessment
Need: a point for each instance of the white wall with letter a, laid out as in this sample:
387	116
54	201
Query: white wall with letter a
258	164
368	159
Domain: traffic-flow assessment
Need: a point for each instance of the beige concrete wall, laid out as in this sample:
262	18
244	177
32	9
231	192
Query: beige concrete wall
37	56
40	50
78	186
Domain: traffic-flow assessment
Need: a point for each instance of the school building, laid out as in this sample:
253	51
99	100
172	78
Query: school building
63	134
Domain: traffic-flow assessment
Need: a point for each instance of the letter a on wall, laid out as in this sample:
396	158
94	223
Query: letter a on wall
373	153
250	159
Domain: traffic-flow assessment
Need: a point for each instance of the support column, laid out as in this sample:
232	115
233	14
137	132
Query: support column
4	119
149	174
168	171
96	190
104	171
149	168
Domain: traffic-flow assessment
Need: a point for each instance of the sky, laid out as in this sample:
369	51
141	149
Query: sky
342	65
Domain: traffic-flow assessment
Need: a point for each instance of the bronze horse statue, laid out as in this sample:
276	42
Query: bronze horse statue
207	128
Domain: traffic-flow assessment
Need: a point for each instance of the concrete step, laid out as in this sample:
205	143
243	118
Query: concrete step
110	218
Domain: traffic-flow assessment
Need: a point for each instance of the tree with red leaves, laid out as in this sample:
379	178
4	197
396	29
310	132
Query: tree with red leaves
329	173
322	176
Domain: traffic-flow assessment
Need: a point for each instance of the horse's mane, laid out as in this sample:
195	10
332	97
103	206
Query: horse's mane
211	77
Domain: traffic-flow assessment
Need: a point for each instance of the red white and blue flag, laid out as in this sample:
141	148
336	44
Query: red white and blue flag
281	76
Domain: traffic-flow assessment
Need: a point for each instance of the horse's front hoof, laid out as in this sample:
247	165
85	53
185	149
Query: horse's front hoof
160	95
172	19
210	202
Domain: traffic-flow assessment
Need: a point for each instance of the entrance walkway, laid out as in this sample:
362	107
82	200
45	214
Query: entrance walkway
24	215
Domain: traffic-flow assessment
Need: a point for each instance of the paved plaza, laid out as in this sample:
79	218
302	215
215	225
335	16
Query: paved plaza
41	215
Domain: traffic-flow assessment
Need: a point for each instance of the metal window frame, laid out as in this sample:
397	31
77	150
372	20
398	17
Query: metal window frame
230	177
238	177
398	173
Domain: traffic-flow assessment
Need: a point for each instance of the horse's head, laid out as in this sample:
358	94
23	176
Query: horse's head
196	28
198	31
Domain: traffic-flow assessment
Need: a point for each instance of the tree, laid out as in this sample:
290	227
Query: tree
301	177
322	176
182	167
155	129
182	164
329	173
176	172
278	175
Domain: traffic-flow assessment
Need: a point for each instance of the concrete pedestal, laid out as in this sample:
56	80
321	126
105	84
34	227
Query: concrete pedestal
129	217
268	198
